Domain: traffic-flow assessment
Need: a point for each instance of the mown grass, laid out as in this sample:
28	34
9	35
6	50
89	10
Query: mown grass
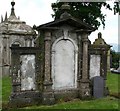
113	83
110	102
104	103
6	88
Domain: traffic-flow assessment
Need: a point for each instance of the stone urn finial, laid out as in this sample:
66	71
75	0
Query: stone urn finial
65	7
12	9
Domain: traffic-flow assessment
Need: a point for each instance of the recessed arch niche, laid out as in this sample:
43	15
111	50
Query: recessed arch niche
64	64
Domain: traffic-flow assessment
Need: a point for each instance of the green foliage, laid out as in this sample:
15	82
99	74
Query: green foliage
116	8
115	59
89	12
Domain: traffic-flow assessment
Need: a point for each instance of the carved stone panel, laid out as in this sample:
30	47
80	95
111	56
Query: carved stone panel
94	65
64	65
27	72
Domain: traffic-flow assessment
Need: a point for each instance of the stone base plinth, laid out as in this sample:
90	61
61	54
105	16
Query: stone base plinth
84	89
48	98
26	98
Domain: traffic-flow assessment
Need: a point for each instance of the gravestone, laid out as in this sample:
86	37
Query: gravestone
98	87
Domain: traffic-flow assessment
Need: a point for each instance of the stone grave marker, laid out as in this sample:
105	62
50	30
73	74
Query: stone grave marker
98	87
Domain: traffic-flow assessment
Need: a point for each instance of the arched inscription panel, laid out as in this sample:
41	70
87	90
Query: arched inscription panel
64	65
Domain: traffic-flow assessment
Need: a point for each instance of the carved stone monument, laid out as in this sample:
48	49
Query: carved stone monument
98	52
13	31
61	65
25	76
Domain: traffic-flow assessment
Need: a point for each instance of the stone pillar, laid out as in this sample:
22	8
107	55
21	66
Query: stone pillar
119	63
79	60
16	80
104	63
1	55
84	82
5	58
48	96
85	57
108	60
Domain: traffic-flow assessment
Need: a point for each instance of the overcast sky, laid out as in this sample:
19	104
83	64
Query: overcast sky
39	11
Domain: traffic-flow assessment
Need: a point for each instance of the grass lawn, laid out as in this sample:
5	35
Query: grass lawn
113	83
110	102
6	89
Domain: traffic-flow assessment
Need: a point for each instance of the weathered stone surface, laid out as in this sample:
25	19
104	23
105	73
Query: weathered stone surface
63	65
47	95
101	42
67	94
27	72
48	98
25	98
13	31
25	80
94	65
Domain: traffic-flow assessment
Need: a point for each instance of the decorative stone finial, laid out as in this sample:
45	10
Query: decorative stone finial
13	3
34	26
65	7
12	9
99	35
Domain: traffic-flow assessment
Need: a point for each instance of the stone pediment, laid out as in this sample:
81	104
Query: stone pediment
77	23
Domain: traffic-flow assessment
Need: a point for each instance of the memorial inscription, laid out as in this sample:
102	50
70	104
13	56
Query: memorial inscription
27	72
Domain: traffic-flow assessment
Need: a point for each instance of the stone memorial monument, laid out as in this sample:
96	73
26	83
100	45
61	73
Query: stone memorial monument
13	31
62	65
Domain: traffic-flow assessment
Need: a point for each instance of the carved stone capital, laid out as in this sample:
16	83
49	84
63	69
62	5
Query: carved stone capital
47	36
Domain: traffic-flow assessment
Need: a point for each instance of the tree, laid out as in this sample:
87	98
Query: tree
89	12
115	59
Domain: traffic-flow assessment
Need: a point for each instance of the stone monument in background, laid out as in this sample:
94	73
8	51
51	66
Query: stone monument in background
13	31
